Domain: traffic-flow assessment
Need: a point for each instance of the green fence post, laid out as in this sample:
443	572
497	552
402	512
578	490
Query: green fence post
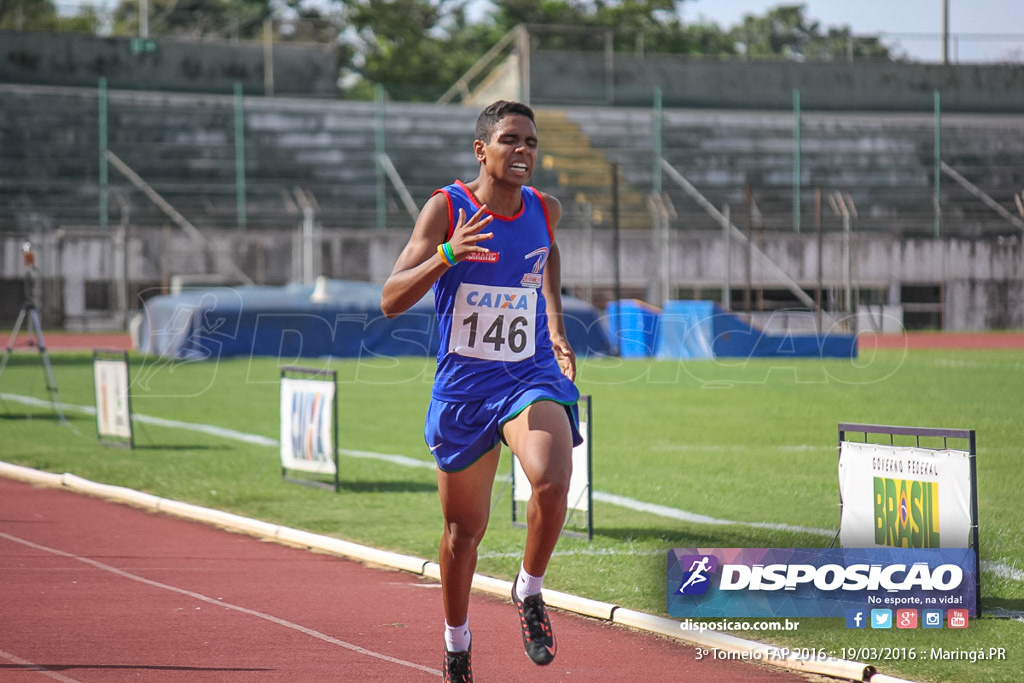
796	160
104	177
938	165
239	155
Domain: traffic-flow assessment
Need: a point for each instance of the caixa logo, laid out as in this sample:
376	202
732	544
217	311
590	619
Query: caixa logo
696	579
497	300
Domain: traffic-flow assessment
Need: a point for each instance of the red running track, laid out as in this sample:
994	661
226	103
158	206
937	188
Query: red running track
94	591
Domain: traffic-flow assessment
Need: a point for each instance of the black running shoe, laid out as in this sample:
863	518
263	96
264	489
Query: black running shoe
538	639
458	666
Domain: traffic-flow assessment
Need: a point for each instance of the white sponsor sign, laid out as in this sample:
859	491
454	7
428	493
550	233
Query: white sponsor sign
113	412
904	496
307	425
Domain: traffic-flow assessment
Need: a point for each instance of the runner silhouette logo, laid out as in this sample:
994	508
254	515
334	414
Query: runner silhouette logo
696	580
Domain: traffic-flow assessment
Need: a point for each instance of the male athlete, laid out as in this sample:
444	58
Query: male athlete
505	369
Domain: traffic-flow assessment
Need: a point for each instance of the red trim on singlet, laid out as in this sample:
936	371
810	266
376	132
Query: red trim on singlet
451	212
474	202
547	218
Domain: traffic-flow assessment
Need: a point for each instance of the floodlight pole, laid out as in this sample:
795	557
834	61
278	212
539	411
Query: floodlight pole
945	31
143	18
937	150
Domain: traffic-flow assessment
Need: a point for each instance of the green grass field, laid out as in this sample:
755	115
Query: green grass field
745	440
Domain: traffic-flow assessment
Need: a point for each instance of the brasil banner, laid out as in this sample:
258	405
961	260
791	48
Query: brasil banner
904	497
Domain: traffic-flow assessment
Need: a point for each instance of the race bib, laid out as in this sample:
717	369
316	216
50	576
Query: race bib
494	323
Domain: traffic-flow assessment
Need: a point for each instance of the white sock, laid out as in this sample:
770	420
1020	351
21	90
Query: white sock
456	638
528	584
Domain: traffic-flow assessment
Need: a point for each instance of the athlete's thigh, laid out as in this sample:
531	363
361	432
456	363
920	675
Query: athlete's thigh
541	438
466	494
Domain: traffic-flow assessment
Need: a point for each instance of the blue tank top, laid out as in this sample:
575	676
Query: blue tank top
490	308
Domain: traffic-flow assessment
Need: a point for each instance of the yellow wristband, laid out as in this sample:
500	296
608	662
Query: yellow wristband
447	255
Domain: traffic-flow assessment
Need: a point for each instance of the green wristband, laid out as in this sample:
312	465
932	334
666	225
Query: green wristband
449	253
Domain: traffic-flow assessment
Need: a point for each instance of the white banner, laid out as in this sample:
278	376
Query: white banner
307	425
578	483
902	496
113	414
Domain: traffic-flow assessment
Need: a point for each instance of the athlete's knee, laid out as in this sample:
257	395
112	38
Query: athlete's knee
552	488
465	536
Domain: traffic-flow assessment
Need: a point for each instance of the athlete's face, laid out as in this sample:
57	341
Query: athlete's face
511	153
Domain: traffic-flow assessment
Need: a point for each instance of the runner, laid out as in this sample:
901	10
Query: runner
505	369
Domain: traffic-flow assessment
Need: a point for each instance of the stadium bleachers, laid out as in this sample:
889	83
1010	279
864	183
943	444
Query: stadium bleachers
183	146
884	162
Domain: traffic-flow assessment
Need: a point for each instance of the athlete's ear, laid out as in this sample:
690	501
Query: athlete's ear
478	149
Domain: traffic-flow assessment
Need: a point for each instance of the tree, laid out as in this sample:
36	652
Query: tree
654	26
785	32
510	13
840	43
630	21
23	15
195	18
301	23
414	48
41	15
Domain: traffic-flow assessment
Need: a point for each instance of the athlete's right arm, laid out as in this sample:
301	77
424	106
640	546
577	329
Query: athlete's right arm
420	265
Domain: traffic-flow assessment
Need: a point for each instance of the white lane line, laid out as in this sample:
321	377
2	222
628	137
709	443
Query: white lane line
226	605
695	518
212	430
32	666
1001	569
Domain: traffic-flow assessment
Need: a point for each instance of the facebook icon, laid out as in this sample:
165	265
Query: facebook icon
856	618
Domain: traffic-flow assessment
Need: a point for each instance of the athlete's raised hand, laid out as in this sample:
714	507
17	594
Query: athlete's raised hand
419	265
467	235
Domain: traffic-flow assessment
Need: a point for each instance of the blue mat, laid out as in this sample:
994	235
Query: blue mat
344	322
703	329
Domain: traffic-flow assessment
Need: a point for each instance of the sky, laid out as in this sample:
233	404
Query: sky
967	19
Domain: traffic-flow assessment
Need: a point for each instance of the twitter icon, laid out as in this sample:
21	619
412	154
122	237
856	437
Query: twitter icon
881	618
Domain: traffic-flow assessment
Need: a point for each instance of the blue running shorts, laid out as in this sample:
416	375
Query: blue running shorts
460	433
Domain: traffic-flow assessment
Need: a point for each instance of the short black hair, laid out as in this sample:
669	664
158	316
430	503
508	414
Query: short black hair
489	117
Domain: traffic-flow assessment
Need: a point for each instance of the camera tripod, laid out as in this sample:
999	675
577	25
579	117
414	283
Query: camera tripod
35	329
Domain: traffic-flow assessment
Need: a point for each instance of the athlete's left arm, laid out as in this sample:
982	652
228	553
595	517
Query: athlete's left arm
552	288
